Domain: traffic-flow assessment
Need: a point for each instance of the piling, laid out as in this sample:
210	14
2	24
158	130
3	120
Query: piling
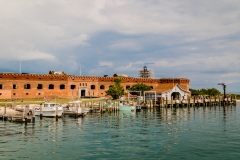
194	101
26	114
40	111
171	101
56	112
166	102
5	108
33	114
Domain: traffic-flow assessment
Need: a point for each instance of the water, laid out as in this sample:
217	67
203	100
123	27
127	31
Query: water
195	133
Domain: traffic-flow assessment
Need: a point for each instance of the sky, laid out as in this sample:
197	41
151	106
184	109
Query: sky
198	40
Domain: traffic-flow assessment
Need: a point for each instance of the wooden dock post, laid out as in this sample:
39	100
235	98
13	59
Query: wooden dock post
166	102
194	100
33	114
41	111
26	114
5	108
171	101
56	112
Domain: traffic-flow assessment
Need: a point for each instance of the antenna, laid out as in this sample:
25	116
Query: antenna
20	70
80	70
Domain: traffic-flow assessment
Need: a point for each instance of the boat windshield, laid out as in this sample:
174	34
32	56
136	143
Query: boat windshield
49	105
52	105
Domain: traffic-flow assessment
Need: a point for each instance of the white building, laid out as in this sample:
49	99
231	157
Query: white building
145	73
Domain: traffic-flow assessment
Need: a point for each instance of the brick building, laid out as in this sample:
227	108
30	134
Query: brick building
13	85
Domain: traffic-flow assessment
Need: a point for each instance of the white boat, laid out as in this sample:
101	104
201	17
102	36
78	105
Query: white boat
49	109
75	107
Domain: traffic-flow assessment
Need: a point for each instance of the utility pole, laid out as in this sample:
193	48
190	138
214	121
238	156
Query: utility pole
224	90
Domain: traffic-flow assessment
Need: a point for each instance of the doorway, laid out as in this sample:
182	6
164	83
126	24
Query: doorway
176	95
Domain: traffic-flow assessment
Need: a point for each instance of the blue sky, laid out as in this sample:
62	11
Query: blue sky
199	40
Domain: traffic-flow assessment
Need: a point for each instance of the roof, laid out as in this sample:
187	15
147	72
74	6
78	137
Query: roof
163	87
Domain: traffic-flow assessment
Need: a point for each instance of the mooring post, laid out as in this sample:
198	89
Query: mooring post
171	101
56	112
26	114
5	108
194	101
166	102
40	111
33	114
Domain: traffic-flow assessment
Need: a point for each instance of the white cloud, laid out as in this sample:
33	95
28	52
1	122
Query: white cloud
36	55
105	64
125	45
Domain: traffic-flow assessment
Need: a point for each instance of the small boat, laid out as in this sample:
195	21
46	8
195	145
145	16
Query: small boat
49	109
75	108
126	107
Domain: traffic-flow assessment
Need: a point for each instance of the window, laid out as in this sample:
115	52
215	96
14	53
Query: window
102	87
1	86
127	87
27	86
26	93
73	86
39	94
39	86
0	94
14	94
92	86
151	87
14	86
62	86
51	86
110	86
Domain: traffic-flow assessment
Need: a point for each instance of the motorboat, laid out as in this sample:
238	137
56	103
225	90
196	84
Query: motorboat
124	106
49	109
75	108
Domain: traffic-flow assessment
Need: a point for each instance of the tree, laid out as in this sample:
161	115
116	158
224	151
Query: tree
116	90
140	87
209	91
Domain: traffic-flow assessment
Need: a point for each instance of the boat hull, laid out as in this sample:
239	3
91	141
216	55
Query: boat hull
126	108
49	112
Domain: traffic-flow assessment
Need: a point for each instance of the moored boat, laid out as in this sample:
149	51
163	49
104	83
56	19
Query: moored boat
49	109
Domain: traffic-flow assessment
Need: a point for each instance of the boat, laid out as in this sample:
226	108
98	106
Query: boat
75	108
123	106
49	109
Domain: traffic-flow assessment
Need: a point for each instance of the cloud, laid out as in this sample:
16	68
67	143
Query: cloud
105	64
125	45
194	39
36	55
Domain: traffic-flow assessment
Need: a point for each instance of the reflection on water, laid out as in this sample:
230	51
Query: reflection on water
182	133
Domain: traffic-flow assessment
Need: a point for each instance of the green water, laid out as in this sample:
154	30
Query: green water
184	133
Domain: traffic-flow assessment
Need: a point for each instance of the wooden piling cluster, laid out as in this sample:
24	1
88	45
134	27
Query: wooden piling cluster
194	102
26	116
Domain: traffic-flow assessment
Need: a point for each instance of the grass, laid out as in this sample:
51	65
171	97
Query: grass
41	100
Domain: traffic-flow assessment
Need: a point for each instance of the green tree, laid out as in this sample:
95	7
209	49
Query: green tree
203	91
140	87
116	90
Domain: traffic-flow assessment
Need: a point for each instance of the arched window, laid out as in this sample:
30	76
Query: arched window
1	86
151	87
102	87
27	86
127	87
92	86
51	86
62	86
39	86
